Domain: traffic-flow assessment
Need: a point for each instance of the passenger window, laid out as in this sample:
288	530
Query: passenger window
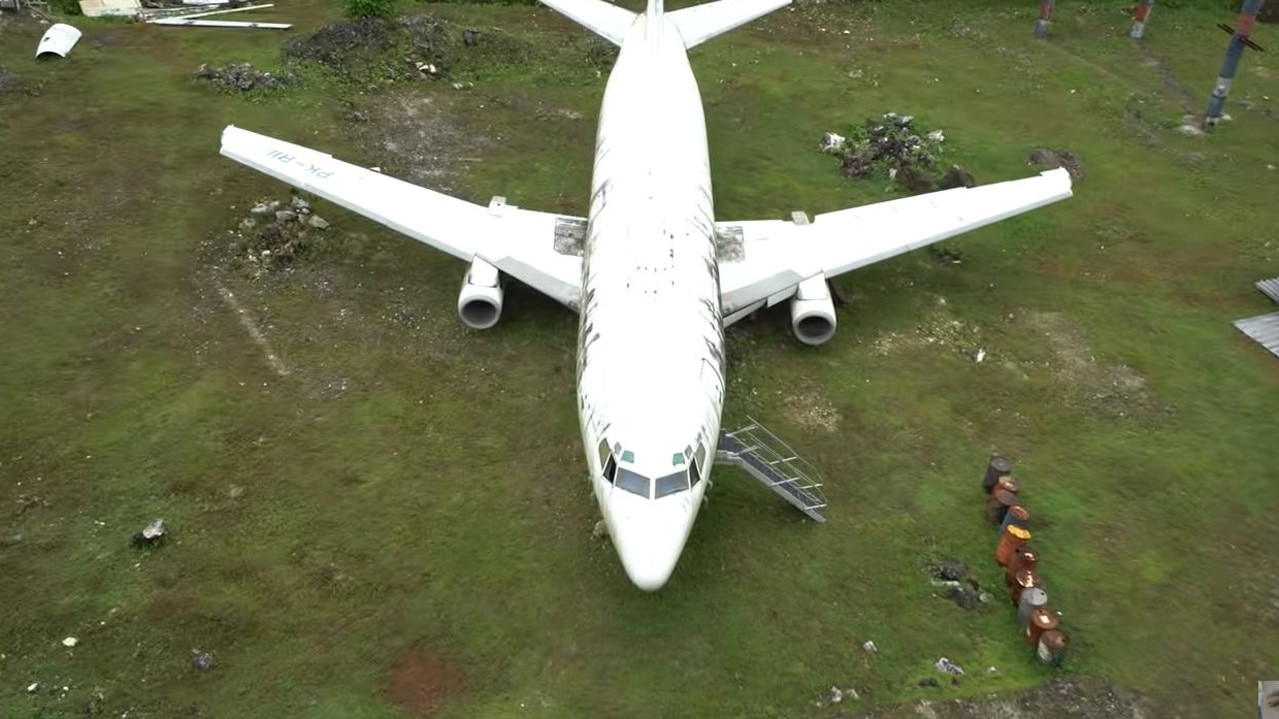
670	484
694	474
633	482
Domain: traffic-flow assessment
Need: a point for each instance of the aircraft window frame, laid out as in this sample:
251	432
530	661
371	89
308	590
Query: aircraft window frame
610	469
625	475
684	486
694	473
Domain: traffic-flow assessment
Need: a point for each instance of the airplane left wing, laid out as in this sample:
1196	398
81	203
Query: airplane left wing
541	249
767	259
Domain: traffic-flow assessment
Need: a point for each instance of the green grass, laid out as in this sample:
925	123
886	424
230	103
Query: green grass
439	501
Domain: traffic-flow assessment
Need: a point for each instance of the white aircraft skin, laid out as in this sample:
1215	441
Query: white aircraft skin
652	286
651	346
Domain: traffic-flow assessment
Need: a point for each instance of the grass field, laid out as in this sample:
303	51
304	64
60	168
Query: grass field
407	496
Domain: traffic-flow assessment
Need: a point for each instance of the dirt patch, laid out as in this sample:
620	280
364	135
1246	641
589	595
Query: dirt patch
1067	698
940	329
422	681
1076	361
414	135
809	408
1052	159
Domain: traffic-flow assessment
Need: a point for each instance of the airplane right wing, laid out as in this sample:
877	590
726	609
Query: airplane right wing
768	259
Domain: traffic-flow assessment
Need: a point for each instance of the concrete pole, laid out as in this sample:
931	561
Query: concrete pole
1045	18
1139	16
1234	51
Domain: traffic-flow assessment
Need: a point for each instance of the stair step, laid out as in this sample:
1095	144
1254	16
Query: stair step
767	458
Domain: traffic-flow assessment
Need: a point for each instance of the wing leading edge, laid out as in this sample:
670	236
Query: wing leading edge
540	249
777	255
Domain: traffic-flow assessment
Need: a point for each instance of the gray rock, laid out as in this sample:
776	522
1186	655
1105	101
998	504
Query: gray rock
285	216
317	222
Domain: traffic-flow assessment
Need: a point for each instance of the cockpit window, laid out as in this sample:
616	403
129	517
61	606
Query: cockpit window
694	474
628	456
677	460
610	469
633	482
671	483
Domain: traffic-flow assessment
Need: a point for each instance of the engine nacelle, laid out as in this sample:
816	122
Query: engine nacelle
479	304
812	312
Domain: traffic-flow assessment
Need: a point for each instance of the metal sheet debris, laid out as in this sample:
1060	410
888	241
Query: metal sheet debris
222	23
58	39
104	8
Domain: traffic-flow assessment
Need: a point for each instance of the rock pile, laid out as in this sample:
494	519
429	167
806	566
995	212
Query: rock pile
243	77
276	233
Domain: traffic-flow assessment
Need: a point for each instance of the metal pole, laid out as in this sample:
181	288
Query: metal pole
1139	16
1045	17
1234	51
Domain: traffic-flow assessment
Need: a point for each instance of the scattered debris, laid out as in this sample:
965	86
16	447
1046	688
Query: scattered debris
152	534
26	502
895	147
832	142
201	661
600	531
928	682
317	222
70	642
1052	159
33	687
965	597
470	37
948	667
243	77
58	40
951	569
981	355
834	696
869	646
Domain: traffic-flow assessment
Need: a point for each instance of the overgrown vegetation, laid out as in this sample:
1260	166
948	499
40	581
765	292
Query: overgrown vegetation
365	9
393	486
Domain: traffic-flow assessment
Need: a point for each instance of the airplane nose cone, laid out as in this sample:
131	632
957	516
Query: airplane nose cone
649	551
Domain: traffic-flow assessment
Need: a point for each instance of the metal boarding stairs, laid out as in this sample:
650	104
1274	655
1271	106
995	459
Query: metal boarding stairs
770	460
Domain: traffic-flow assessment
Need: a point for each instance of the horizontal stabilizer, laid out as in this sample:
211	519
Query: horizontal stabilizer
700	23
604	19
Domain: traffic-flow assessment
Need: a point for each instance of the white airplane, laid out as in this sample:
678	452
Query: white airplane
654	278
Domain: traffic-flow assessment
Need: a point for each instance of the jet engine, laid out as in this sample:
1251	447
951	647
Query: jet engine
479	304
812	312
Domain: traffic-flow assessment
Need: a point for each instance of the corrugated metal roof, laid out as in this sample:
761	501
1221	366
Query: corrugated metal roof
1264	329
1270	287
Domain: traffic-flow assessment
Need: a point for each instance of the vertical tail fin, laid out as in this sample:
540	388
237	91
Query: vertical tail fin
604	19
700	23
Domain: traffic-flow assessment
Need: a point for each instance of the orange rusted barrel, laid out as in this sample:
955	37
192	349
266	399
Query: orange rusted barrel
1017	515
1008	484
998	467
1041	620
1023	580
997	505
1012	538
1052	647
1024	557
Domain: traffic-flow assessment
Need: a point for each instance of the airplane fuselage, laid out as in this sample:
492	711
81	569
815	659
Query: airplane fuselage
651	342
